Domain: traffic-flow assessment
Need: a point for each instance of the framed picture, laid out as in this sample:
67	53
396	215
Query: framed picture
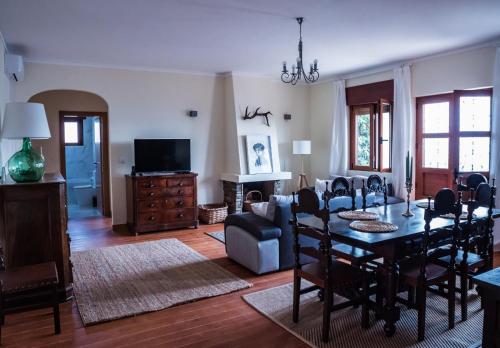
259	154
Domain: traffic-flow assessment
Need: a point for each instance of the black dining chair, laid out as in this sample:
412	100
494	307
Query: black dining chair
471	182
340	188
420	271
374	184
326	272
477	236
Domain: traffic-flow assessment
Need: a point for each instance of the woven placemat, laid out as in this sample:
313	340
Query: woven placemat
373	226
463	216
358	215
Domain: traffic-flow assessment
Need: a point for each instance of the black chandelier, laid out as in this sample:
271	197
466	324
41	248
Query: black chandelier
298	71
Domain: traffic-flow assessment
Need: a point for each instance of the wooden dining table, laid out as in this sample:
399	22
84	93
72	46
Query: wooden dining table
391	246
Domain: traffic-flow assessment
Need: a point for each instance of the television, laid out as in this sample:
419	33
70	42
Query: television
162	155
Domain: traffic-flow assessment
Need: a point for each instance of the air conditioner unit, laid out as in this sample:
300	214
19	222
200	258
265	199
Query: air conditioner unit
14	67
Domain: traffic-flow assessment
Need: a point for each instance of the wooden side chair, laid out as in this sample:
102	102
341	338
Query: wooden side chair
326	272
475	235
420	270
341	188
374	184
15	282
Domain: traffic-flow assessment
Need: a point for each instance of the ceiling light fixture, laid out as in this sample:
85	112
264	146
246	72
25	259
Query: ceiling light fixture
298	71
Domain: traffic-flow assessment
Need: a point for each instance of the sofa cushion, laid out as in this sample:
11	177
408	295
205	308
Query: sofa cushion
257	226
275	200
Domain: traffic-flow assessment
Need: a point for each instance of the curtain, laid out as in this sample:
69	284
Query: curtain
401	142
339	135
495	139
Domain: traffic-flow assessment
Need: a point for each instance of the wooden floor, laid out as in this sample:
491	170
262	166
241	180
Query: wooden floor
224	321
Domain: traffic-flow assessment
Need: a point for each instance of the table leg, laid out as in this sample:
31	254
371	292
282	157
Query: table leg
391	312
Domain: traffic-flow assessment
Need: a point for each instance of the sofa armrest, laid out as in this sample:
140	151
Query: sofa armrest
256	225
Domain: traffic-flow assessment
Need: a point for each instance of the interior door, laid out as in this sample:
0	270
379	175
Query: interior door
434	140
98	161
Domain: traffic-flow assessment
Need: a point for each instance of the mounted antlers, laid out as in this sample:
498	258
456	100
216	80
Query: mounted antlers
257	113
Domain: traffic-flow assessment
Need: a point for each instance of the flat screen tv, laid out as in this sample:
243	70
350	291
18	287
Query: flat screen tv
162	155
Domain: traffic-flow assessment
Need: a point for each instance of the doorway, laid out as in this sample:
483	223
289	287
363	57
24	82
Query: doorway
84	163
452	140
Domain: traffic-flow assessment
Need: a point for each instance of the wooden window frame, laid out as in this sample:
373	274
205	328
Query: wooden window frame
376	127
79	121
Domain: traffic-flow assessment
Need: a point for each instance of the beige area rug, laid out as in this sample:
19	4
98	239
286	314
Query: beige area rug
346	331
116	282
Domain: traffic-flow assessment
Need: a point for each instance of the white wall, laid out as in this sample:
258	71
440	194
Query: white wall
141	105
464	70
7	147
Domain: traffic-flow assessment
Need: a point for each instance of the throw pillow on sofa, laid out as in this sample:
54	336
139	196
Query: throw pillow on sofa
320	185
275	200
260	209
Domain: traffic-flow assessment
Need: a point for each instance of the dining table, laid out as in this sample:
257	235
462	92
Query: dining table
391	246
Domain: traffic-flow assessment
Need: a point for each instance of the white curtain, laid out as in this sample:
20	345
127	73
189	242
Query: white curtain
339	135
495	139
401	142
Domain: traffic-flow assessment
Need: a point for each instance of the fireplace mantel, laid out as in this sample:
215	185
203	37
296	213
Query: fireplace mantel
245	178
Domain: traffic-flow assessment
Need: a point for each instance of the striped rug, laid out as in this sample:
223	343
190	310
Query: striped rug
346	331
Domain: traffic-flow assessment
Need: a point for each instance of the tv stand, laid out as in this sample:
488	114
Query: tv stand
161	201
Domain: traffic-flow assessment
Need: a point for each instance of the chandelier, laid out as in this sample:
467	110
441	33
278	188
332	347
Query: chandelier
298	71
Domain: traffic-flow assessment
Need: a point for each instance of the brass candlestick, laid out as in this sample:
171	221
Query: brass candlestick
409	187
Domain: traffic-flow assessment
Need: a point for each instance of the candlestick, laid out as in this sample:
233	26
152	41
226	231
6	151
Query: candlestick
409	186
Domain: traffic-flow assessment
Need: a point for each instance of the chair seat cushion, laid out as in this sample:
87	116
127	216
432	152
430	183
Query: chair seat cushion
29	277
410	271
257	226
472	259
352	254
341	274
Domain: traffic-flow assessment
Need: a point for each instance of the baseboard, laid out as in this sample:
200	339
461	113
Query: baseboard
121	228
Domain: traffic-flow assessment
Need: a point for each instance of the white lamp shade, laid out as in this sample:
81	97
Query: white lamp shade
25	120
301	147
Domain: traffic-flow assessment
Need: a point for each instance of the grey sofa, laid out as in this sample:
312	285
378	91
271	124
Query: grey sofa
262	245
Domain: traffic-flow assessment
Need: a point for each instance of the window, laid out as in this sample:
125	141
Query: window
371	136
73	131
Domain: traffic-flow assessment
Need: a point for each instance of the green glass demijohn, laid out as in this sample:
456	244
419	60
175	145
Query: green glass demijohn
26	165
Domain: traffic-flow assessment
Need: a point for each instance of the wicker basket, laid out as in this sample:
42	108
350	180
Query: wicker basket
212	213
250	199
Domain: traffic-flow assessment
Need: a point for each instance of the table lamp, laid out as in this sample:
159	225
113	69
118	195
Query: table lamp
302	147
25	121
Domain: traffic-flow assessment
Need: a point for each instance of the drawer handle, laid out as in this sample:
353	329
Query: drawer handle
180	203
181	184
179	191
151	194
152	218
180	215
151	185
152	205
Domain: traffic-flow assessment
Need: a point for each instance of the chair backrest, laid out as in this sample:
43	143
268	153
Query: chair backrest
483	194
472	182
432	237
374	184
309	203
444	202
340	188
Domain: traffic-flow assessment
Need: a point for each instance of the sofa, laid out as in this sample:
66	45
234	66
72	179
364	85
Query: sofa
264	244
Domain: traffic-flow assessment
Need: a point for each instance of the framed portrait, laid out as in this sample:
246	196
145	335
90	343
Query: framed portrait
259	154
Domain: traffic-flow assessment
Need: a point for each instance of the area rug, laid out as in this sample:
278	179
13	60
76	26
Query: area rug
121	281
217	235
345	328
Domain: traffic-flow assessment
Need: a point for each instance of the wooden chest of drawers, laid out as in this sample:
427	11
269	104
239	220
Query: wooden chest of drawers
161	202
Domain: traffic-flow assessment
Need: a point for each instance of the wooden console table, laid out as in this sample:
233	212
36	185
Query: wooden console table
490	285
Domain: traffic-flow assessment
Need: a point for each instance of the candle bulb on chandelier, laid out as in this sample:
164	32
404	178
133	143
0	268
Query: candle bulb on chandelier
284	67
311	69
293	69
315	64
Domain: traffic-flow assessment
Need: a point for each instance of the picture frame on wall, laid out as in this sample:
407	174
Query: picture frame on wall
259	154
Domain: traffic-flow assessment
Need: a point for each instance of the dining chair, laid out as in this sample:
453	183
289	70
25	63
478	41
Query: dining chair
475	236
326	272
472	182
374	184
340	188
420	271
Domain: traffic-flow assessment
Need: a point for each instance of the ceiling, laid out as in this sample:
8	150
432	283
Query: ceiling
245	36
